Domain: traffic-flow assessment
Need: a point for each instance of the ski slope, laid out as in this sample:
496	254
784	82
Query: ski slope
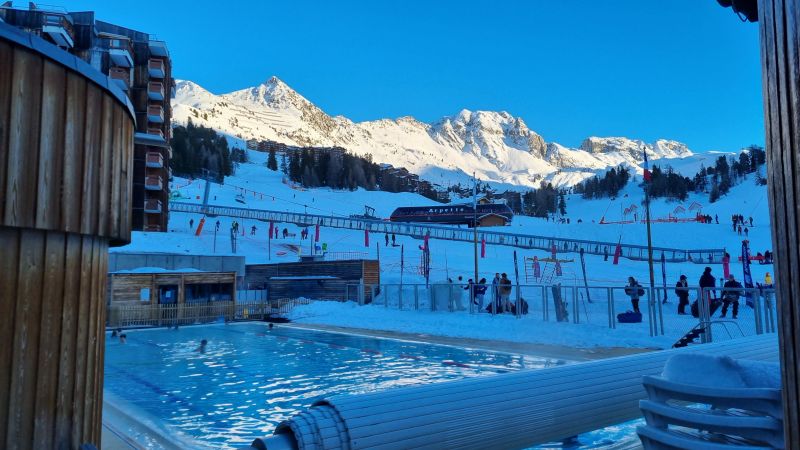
265	189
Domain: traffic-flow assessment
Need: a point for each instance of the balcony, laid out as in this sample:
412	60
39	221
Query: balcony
121	77
155	113
155	90
158	48
156	132
153	183
120	51
156	68
152	206
154	160
59	28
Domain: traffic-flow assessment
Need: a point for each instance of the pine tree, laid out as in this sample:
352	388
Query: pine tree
272	163
284	166
562	204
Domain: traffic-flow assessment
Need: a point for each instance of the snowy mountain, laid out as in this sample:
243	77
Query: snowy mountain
497	146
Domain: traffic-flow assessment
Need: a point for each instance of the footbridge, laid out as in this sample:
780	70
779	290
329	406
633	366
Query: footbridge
419	230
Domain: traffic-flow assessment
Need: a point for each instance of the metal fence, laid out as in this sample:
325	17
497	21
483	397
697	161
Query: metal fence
595	304
419	230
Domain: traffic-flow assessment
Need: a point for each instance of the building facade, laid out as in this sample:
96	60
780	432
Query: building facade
141	66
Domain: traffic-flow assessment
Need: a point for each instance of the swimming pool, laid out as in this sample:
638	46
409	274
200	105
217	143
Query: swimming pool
250	377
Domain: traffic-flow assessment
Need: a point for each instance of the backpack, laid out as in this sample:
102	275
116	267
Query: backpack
629	317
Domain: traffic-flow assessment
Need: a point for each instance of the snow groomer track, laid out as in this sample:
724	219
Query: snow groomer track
419	230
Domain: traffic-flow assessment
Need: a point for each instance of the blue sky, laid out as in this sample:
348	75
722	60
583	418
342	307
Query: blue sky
680	69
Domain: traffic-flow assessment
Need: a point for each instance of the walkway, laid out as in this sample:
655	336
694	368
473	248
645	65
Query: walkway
418	230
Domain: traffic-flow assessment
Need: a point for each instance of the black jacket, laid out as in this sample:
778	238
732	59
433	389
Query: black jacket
706	280
682	293
732	294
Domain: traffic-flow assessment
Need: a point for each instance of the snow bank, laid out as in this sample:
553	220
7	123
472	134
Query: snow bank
721	372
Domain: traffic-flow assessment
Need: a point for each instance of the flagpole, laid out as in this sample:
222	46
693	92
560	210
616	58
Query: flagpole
649	238
475	225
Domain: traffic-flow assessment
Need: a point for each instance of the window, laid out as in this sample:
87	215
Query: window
144	295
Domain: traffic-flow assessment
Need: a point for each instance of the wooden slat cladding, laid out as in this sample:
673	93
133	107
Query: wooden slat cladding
780	64
51	293
66	155
66	149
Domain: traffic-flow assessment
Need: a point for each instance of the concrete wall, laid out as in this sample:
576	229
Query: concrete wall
127	261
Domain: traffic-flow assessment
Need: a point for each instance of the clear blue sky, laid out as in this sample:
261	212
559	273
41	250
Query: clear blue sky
681	69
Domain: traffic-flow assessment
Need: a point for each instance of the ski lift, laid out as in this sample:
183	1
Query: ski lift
240	198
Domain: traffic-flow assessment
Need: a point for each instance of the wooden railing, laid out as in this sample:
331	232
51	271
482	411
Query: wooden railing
126	316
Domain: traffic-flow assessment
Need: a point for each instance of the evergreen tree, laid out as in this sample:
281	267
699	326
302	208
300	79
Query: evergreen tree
284	166
562	204
272	163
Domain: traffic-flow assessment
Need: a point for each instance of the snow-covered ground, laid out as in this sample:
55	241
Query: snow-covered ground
267	190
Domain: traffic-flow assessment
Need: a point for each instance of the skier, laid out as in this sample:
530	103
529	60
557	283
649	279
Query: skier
285	233
734	225
746	231
716	218
253	230
605	253
394	239
634	290
740	230
751	221
731	296
217	229
387	239
682	291
191	223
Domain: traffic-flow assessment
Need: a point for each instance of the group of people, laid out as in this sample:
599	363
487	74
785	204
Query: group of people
731	293
740	224
706	218
394	239
500	293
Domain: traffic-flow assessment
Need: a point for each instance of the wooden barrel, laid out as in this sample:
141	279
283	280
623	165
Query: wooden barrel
66	155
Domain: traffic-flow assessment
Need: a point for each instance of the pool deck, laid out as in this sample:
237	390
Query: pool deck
541	350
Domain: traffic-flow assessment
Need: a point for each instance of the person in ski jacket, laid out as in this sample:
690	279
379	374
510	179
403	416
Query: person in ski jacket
634	290
480	291
708	281
496	292
682	291
505	292
768	280
730	295
387	239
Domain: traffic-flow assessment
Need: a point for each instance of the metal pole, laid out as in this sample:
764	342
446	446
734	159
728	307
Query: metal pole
475	232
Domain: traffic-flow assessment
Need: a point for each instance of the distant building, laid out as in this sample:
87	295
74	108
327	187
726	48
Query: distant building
139	64
514	200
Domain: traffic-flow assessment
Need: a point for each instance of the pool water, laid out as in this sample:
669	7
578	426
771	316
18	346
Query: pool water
250	377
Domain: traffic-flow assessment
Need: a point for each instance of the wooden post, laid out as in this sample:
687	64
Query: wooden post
66	149
778	22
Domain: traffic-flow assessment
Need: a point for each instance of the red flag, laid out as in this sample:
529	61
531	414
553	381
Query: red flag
271	228
558	268
366	238
617	253
200	226
483	247
316	234
425	242
537	270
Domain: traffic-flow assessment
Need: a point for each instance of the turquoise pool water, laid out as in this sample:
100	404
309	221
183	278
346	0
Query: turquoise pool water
250	377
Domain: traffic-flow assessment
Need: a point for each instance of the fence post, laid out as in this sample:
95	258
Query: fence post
576	307
416	297
610	312
757	311
431	299
545	311
650	313
518	307
613	307
400	297
372	293
660	312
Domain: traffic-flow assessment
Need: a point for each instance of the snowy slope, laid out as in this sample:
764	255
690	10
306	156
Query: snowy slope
266	189
497	146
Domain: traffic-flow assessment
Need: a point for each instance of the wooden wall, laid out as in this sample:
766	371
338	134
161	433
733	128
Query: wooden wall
125	288
66	147
780	64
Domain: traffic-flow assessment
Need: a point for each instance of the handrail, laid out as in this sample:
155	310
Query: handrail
568	245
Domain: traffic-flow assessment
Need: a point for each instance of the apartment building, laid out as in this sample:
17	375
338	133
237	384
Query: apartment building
139	64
